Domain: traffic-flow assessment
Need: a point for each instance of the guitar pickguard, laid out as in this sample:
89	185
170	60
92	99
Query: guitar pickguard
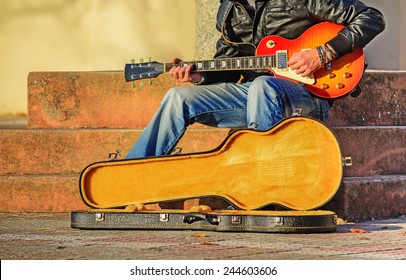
291	75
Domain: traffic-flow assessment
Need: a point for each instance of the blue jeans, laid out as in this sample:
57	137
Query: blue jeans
258	105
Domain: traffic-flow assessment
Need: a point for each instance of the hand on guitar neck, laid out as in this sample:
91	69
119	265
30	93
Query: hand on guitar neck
184	74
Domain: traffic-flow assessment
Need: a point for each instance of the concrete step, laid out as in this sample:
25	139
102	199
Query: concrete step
374	150
67	151
366	198
357	199
91	99
105	100
382	102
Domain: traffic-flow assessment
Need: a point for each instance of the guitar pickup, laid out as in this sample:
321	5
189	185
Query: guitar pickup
282	60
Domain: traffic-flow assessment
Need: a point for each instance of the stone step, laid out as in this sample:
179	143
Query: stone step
67	151
382	102
105	100
357	199
374	150
366	198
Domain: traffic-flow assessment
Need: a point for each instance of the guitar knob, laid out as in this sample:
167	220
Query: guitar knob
325	87
340	86
270	44
347	75
331	75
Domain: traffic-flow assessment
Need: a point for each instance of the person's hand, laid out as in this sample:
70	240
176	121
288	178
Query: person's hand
184	74
305	62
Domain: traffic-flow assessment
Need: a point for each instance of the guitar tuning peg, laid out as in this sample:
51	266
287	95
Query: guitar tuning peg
149	59
132	61
149	82
141	60
133	84
141	83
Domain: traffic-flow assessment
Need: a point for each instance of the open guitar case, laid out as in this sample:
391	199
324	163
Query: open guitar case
296	165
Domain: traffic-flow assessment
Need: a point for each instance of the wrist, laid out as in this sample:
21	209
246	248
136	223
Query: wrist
202	79
326	55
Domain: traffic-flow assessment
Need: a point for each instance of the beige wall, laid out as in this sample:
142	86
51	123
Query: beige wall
71	35
89	35
388	50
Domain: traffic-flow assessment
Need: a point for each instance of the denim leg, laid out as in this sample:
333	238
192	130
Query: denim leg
271	99
219	105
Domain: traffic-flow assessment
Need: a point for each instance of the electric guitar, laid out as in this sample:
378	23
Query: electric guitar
273	53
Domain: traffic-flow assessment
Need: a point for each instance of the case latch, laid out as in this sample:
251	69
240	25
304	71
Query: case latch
99	217
236	220
164	217
347	161
279	221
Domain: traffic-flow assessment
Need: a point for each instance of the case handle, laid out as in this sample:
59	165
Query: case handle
190	218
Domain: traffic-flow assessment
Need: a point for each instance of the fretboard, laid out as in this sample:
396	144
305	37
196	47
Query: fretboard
236	63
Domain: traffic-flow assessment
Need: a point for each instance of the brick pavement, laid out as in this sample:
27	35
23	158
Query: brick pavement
49	236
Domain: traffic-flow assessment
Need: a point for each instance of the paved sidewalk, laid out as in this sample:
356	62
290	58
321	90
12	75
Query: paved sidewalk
49	236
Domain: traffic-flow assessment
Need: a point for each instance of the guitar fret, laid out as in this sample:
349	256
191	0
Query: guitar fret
258	62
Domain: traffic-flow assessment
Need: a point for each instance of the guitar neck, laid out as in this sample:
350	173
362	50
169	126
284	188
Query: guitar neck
237	63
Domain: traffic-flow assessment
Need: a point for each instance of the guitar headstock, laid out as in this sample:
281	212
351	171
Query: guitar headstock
143	70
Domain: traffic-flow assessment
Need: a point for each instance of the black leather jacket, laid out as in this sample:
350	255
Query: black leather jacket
289	19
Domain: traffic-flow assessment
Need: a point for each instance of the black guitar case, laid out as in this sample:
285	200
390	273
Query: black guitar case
221	220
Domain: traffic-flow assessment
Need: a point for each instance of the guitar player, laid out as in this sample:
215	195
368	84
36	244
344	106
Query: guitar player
257	99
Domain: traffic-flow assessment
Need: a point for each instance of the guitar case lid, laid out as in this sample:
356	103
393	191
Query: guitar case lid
296	164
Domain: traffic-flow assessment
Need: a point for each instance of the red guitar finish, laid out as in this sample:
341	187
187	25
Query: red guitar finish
345	73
